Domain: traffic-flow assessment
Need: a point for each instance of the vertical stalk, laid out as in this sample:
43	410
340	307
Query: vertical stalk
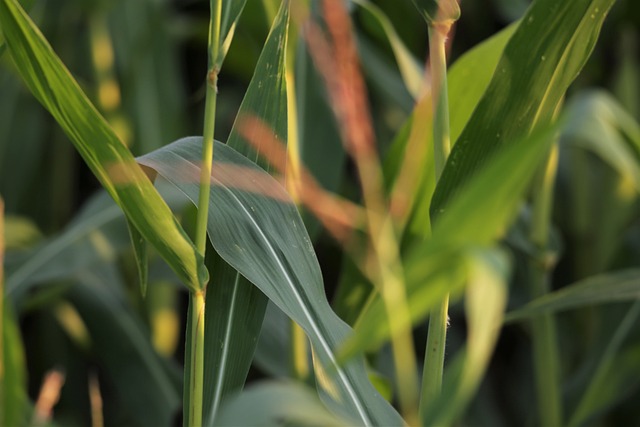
197	301
545	347
438	320
196	383
299	348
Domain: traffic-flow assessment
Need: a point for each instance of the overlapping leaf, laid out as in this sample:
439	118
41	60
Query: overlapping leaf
255	227
433	267
544	55
111	162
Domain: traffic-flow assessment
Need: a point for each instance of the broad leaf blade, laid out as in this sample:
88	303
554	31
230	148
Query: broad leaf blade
255	227
112	163
542	58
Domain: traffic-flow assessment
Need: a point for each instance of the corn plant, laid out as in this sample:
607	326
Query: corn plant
450	228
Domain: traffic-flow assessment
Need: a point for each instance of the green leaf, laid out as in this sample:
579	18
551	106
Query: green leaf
544	55
123	346
619	286
478	216
279	403
255	227
234	314
438	11
597	123
95	235
234	307
467	79
231	11
140	254
409	68
13	372
111	162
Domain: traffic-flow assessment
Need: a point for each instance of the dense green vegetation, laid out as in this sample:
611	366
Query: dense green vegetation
366	248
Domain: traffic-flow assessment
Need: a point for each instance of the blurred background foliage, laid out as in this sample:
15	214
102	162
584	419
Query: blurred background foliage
70	275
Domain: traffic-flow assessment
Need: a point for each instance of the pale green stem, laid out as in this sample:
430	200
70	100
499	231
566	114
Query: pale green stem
196	374
209	126
544	333
196	383
438	319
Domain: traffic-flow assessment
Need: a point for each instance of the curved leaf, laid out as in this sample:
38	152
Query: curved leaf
111	162
255	227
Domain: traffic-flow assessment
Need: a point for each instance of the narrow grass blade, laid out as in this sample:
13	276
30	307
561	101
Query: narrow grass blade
544	55
231	11
256	228
409	68
95	235
112	163
619	286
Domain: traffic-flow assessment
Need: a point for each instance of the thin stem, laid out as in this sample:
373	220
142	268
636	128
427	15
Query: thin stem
209	126
299	346
544	333
196	374
438	65
438	320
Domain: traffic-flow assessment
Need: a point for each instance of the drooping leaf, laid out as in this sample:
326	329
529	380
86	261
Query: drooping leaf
544	55
597	123
96	234
255	227
618	286
112	163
